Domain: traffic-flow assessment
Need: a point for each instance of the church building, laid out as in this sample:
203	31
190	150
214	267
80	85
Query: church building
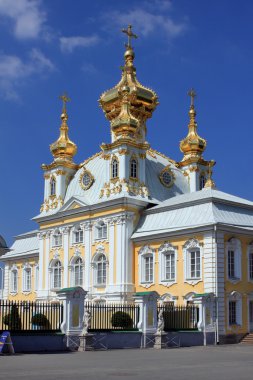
130	219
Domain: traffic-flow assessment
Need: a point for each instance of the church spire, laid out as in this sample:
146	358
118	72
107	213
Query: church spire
192	145
63	147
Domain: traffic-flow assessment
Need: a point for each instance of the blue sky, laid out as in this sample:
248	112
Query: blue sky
48	47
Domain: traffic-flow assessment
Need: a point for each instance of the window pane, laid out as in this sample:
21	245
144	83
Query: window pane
231	264
251	266
232	312
195	264
170	266
148	276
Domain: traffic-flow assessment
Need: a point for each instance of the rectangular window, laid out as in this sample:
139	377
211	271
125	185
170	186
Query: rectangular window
232	312
101	232
170	266
195	264
57	241
251	266
36	280
231	264
78	236
14	281
148	274
101	273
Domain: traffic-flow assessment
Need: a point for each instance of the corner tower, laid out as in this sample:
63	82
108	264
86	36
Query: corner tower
58	174
193	146
127	106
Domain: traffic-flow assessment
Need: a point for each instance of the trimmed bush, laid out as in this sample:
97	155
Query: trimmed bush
122	319
40	320
12	320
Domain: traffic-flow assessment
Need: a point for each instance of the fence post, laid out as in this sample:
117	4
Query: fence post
206	304
73	311
147	302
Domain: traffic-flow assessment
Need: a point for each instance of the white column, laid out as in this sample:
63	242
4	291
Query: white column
111	223
41	237
209	257
46	264
65	232
87	271
6	285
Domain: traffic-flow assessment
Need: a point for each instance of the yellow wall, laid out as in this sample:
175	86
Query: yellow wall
180	288
244	287
20	296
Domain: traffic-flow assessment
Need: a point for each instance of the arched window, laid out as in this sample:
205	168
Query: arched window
101	270
146	265
115	168
202	181
27	279
56	274
52	186
14	281
78	272
133	168
101	230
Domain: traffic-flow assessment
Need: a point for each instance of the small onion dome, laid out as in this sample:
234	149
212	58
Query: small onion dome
63	147
192	145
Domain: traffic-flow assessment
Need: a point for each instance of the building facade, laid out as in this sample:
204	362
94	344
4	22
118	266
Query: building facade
131	219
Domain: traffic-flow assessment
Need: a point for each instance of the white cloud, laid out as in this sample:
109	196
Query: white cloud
145	22
15	71
27	16
68	44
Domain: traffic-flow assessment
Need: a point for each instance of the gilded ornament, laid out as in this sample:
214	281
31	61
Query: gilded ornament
60	172
86	179
167	177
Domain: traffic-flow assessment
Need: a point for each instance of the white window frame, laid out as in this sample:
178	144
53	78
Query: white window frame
133	168
249	254
165	250
57	239
190	246
101	225
52	274
36	277
100	253
78	232
73	265
235	246
145	252
14	270
27	285
237	298
52	187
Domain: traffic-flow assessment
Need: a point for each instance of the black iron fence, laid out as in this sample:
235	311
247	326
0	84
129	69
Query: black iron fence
30	316
107	317
179	317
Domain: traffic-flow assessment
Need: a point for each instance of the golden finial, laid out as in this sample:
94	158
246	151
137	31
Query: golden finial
130	35
64	99
210	183
192	95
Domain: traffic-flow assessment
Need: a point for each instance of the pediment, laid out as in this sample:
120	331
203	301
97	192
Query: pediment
73	203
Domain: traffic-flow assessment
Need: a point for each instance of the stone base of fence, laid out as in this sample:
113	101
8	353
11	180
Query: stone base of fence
38	343
86	342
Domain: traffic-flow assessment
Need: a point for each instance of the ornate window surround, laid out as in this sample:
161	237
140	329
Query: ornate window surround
131	169
77	229
145	251
72	263
100	251
164	250
52	186
26	268
190	246
234	244
102	225
57	234
249	252
14	269
237	297
114	165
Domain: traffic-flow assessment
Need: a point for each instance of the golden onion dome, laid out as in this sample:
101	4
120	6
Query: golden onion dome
142	100
63	147
192	145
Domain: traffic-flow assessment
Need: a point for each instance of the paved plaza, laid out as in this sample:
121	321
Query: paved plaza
231	362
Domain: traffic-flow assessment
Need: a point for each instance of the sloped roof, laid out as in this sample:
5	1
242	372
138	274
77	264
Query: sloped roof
24	244
201	208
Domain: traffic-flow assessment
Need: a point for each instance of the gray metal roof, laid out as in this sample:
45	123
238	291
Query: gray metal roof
25	243
201	208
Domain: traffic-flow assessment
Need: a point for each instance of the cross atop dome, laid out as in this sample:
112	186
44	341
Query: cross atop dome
192	95
130	35
64	99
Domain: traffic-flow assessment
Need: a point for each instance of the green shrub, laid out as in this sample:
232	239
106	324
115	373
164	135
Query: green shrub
40	320
12	320
122	319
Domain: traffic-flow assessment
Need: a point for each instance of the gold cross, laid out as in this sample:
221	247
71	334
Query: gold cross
129	34
64	99
192	94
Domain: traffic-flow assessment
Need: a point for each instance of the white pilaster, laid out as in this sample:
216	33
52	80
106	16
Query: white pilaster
41	237
46	265
87	270
111	223
65	232
6	287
